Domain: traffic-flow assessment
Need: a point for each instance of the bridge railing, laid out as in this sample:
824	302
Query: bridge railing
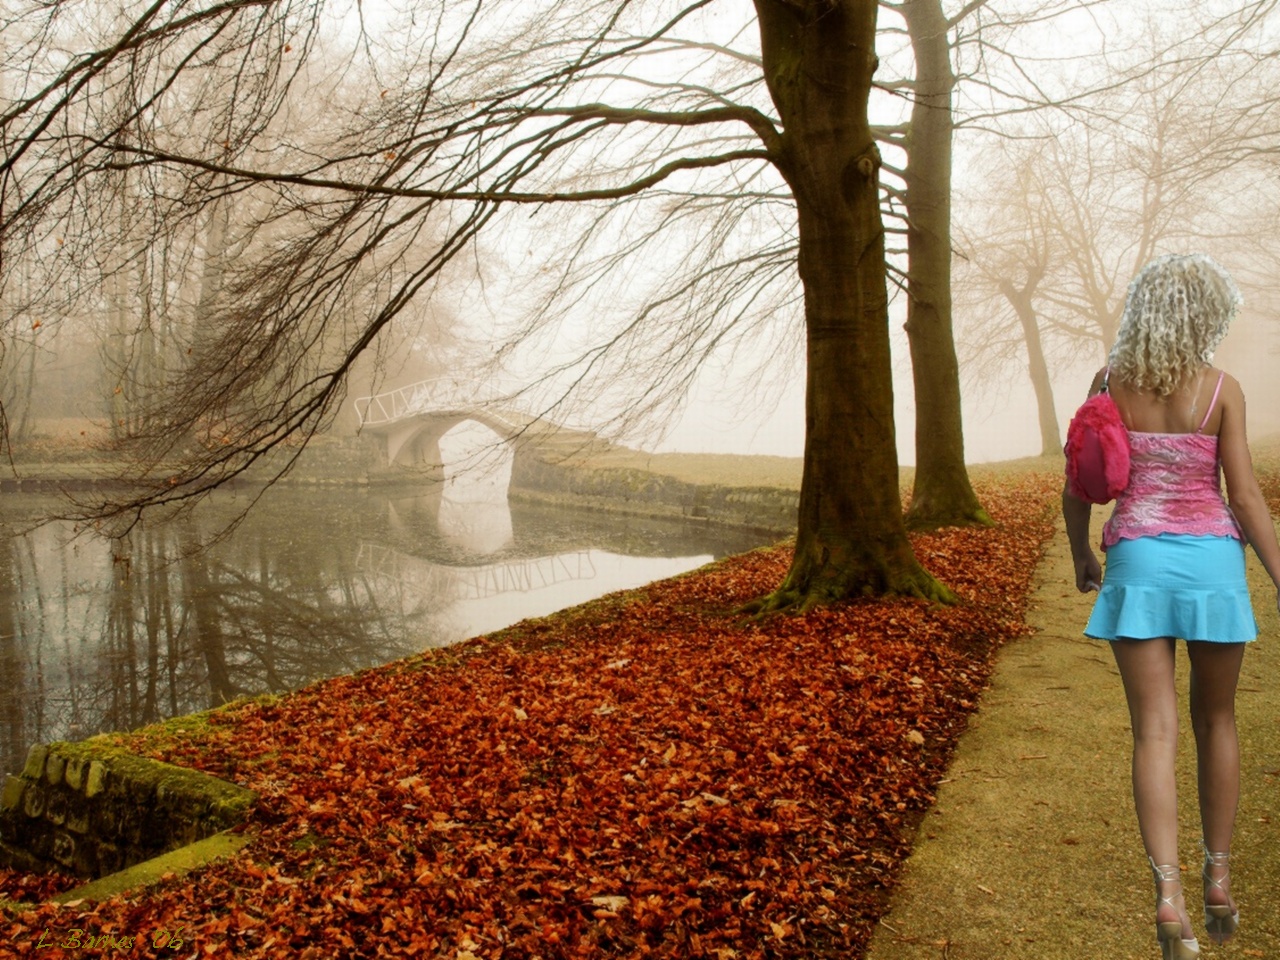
429	396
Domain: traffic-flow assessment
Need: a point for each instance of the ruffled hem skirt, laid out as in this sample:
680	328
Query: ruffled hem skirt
1174	585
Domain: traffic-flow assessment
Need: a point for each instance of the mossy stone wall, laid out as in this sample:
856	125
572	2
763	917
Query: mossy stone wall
769	509
91	809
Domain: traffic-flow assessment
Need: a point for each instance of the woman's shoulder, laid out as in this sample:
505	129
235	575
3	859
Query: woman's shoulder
1218	374
1229	390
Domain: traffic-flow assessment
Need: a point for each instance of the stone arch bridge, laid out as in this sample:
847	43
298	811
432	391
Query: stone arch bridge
411	420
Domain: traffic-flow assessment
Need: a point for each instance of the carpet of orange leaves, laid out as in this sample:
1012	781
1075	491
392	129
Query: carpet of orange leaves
647	775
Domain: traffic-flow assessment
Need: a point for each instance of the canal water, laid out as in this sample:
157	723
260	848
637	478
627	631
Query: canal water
110	634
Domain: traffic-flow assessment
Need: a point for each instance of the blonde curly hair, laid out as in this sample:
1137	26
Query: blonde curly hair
1175	315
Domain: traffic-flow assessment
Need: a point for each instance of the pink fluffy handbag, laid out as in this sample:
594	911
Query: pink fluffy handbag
1097	450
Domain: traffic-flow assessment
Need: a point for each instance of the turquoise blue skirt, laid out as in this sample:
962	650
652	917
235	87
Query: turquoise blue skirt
1174	585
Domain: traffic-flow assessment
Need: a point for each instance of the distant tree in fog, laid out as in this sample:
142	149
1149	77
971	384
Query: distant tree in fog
477	108
967	73
1069	209
1009	256
942	493
109	297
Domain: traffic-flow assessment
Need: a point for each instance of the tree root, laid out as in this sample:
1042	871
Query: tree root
789	598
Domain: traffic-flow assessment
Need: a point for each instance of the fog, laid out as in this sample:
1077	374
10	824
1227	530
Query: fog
1069	122
999	414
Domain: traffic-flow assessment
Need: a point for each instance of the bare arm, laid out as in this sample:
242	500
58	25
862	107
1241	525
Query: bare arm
1243	493
1077	514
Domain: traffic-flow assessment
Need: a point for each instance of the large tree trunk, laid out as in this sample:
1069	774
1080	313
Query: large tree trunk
942	494
1020	300
818	60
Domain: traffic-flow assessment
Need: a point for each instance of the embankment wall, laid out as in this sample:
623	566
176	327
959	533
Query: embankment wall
91	809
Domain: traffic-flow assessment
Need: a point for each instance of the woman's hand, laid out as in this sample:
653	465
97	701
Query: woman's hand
1076	514
1089	574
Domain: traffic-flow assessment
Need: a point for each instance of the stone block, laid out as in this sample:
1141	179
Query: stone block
40	843
187	831
110	859
104	820
174	800
33	800
64	849
74	774
35	761
86	859
137	827
12	794
56	808
96	781
94	809
77	815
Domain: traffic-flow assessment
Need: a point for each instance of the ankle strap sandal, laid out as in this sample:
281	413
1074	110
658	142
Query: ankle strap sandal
1173	946
1221	920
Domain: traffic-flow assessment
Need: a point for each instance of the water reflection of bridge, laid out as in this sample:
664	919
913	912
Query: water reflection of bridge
421	578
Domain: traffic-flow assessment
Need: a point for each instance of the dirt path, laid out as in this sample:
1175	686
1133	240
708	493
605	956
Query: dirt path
1033	851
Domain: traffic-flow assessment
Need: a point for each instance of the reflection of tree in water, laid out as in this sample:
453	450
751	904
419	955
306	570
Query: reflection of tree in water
42	628
284	622
175	630
15	694
99	635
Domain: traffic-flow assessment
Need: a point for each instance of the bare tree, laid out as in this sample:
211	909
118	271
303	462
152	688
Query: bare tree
950	47
490	106
942	493
19	356
1010	254
1074	209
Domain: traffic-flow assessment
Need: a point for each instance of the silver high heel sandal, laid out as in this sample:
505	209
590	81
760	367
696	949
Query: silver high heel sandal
1221	920
1169	932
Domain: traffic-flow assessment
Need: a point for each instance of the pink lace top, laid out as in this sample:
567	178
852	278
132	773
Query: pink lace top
1174	487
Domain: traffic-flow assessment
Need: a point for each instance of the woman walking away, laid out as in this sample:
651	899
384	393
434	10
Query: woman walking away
1175	568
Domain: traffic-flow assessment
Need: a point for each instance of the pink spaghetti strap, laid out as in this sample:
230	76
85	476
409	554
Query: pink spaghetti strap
1209	412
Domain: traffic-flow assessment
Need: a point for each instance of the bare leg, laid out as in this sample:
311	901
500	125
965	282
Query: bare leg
1147	668
1215	671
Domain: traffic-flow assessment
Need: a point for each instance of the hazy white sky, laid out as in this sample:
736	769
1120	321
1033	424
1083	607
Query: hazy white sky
1000	420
